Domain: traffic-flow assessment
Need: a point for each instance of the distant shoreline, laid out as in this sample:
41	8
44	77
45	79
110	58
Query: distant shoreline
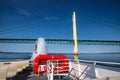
68	53
16	52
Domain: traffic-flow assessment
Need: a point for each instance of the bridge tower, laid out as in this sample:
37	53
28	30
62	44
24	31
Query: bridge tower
75	37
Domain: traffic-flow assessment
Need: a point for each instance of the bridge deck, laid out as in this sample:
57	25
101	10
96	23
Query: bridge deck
62	41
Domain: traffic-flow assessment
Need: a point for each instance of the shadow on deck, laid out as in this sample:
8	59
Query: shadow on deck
27	74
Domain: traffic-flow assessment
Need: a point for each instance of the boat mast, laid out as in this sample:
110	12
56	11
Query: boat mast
75	37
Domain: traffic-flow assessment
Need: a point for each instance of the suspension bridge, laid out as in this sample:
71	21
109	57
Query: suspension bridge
61	41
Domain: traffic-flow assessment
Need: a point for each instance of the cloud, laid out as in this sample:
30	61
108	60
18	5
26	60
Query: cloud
51	18
23	12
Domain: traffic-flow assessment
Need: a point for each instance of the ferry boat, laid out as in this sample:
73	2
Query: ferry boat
54	69
43	66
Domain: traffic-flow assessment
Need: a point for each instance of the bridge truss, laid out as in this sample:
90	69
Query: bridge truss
62	41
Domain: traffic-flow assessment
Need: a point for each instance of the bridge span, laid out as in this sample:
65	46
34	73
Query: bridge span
61	41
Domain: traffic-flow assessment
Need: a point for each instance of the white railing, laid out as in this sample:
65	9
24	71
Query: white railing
95	62
57	67
78	72
114	63
53	68
50	70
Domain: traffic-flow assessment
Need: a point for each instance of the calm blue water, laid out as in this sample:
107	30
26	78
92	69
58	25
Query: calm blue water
108	57
11	56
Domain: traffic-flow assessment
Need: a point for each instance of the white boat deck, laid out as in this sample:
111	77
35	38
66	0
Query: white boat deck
76	70
102	71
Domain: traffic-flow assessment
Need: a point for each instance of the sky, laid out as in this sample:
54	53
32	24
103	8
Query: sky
96	19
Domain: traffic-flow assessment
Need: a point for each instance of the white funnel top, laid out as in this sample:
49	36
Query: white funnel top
40	48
